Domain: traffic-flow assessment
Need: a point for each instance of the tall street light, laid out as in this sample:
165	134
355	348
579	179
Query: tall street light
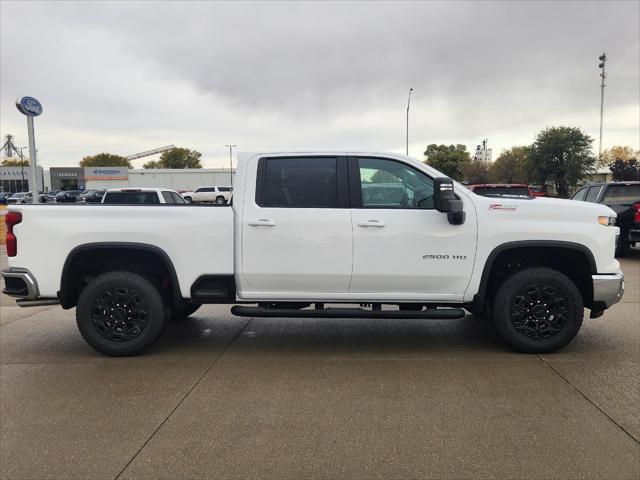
603	61
408	104
230	147
22	165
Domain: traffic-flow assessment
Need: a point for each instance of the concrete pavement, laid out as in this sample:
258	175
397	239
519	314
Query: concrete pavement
224	397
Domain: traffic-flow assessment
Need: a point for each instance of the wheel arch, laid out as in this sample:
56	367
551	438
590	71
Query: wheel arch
103	255
553	253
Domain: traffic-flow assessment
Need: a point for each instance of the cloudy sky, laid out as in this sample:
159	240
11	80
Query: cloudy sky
124	77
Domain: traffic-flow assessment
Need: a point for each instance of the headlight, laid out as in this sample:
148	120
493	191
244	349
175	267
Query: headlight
607	221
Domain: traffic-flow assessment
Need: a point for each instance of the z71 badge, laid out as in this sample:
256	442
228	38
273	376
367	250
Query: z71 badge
502	206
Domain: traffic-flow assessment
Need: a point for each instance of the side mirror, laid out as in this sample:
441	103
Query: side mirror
445	201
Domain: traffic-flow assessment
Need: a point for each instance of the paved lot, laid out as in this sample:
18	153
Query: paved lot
223	397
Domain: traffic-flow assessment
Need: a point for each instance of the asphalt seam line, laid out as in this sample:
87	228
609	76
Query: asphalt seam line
547	363
157	429
10	322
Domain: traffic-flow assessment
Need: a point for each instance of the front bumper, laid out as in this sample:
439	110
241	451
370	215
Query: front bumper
607	290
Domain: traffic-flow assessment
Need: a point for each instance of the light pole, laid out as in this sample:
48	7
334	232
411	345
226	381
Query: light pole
408	104
603	61
30	107
230	147
22	165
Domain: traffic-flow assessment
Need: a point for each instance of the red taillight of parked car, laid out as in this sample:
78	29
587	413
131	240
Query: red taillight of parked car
11	219
636	212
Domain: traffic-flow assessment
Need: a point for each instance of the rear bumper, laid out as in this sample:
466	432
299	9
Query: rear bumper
607	290
634	235
20	283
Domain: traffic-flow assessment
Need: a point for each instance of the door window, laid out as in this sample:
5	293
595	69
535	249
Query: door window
391	184
592	196
177	198
580	194
167	197
297	182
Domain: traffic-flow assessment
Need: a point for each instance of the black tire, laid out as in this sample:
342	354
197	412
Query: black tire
623	247
538	310
137	316
188	199
220	200
179	313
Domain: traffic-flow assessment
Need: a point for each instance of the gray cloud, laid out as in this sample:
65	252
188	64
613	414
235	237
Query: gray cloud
128	76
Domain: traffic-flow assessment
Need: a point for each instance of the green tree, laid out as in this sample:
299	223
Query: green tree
512	166
476	171
15	162
618	152
384	177
105	160
562	155
624	171
450	160
176	158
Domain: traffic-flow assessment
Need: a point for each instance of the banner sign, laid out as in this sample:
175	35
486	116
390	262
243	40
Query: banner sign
106	173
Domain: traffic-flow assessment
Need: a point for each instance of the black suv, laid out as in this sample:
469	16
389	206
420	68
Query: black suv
624	199
68	196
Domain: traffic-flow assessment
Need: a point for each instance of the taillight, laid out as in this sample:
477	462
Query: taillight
636	212
11	219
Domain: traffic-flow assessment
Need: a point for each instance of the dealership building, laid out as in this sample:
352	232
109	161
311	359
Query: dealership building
101	178
16	179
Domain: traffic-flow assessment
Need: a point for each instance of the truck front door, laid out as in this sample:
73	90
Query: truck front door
296	232
403	247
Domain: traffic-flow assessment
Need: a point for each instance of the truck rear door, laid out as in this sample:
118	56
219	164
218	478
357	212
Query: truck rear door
296	232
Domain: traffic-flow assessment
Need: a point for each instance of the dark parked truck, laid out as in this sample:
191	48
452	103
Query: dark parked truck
624	199
307	230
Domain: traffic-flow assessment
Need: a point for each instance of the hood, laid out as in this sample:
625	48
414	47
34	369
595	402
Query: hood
545	205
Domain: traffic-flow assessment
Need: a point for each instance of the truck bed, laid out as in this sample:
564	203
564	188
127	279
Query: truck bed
48	233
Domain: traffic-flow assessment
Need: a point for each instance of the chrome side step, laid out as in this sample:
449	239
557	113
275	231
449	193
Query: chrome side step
429	313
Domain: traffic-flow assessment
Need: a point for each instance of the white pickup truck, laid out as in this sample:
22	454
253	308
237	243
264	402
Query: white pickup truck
383	235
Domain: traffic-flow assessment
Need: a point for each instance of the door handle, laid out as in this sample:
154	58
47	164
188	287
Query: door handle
262	222
371	223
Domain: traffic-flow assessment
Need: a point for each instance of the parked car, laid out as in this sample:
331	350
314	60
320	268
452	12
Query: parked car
219	195
624	199
4	196
501	190
49	197
538	190
68	196
141	196
90	196
20	197
301	234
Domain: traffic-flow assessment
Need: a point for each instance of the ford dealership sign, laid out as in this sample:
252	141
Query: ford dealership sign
29	106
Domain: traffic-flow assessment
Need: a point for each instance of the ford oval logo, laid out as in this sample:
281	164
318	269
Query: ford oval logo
29	106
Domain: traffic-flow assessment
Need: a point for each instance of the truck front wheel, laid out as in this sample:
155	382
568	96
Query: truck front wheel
538	310
120	313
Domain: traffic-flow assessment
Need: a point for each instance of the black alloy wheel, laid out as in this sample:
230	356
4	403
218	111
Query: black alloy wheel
538	310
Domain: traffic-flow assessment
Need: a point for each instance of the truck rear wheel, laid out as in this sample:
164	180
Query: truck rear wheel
538	310
120	313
